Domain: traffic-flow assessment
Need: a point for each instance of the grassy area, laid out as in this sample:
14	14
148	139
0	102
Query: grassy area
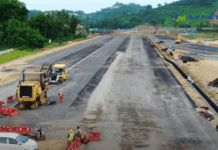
18	53
15	54
200	36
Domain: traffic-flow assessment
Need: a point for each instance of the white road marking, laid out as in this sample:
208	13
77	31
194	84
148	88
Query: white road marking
89	55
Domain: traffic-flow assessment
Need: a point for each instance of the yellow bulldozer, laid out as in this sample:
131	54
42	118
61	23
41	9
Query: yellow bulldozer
178	40
32	90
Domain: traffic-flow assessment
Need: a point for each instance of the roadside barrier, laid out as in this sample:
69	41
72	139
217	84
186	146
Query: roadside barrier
24	130
94	136
1	104
9	111
13	112
85	139
4	129
5	111
10	99
201	92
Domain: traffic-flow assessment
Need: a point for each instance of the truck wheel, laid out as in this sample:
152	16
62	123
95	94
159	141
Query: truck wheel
22	106
34	105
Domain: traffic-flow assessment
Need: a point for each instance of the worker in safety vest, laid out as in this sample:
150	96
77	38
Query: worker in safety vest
70	135
61	96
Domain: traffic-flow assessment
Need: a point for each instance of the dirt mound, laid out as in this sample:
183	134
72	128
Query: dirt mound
199	42
144	27
214	83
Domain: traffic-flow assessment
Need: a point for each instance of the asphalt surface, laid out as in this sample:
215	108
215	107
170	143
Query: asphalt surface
78	78
145	108
152	30
185	45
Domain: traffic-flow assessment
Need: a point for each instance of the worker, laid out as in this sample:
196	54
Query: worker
79	132
61	96
70	135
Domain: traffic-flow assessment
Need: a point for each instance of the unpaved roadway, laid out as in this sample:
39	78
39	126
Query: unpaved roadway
129	96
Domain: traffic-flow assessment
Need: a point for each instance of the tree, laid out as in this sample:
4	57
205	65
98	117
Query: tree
159	5
176	25
12	8
165	3
154	22
80	30
93	32
148	7
87	29
208	23
201	24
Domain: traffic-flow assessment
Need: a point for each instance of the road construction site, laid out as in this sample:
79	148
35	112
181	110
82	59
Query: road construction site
118	86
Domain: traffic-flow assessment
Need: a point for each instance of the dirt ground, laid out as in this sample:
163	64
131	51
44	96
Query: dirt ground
49	144
144	27
19	64
202	72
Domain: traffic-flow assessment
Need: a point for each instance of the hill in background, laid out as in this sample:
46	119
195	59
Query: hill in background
132	15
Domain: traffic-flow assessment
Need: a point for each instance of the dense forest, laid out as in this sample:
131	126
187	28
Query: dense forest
17	31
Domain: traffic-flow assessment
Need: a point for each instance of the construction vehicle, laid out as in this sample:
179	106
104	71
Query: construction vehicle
178	40
59	75
32	90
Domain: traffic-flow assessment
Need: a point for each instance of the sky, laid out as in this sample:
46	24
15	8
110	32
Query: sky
88	6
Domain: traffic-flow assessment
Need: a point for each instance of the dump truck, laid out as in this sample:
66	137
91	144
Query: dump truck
32	90
178	40
59	75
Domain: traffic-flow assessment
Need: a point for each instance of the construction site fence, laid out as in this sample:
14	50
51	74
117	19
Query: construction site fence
197	88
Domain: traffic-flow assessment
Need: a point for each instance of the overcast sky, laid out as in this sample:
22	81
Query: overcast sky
88	6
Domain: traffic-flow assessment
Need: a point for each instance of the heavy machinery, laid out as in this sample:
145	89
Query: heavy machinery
156	30
59	75
32	90
178	40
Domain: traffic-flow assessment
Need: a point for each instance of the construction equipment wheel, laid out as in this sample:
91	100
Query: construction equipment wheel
22	106
34	105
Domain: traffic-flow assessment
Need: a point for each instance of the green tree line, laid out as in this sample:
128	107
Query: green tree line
159	15
17	31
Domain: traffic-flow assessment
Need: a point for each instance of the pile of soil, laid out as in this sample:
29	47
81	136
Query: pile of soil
144	27
214	83
188	58
199	42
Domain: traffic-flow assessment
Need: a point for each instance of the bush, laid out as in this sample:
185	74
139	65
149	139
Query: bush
83	35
